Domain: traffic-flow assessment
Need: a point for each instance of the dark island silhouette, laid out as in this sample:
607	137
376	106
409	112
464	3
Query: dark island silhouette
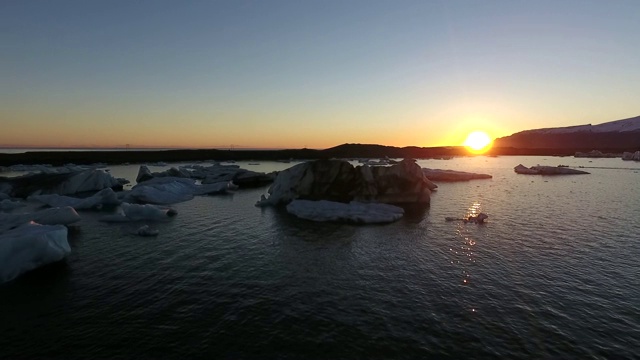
611	137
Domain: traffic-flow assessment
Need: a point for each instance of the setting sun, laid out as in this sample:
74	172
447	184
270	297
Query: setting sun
478	141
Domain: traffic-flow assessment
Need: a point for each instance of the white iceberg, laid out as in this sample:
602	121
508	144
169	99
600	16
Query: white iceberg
171	190
96	201
135	212
353	212
30	246
54	216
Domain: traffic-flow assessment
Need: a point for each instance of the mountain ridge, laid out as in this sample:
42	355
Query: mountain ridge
618	135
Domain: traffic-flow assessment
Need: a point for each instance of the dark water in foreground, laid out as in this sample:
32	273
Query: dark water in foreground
554	274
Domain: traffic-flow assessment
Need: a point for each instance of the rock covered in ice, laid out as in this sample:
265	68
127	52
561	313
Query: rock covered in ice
353	212
338	180
10	205
104	197
452	175
547	170
135	212
635	156
30	246
54	216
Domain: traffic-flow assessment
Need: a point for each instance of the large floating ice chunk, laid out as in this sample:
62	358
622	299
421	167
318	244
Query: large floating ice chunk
54	216
9	205
210	174
338	180
635	156
171	190
353	212
438	175
61	183
30	246
97	201
547	170
135	212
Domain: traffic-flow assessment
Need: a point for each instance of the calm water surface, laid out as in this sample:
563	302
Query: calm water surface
553	274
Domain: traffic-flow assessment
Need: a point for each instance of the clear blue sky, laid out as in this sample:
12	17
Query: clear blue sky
310	73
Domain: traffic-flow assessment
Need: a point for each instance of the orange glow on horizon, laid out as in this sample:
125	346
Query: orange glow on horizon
478	142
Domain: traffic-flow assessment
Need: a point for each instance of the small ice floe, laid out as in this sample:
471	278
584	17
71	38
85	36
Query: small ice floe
145	230
135	212
477	219
353	212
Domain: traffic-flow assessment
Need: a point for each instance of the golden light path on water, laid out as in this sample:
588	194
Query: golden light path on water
463	253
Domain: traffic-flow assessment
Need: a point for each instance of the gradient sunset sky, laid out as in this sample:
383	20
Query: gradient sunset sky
289	74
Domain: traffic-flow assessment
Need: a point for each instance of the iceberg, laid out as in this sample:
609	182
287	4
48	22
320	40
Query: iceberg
452	175
135	212
30	246
54	216
97	201
209	175
7	205
635	156
171	190
547	170
353	212
338	180
68	183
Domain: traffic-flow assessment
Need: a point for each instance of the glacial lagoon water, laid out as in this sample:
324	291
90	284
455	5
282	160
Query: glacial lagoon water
553	274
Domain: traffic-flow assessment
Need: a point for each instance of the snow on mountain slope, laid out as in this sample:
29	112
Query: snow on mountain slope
624	125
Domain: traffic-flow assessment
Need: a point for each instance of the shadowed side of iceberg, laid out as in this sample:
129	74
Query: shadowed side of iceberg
353	212
338	180
30	246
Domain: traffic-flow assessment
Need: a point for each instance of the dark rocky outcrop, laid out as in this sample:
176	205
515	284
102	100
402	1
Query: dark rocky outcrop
338	180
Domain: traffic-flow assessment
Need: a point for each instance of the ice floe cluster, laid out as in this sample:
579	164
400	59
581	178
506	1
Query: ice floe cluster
31	239
322	190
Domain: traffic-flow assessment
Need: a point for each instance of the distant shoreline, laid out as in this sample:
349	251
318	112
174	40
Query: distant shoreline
60	157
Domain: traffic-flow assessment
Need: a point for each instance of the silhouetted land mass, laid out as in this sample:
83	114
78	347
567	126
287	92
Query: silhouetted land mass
614	136
341	151
608	141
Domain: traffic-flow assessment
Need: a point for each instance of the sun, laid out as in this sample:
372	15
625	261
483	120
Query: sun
478	142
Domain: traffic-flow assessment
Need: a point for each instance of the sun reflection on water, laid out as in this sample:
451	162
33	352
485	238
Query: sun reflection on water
463	250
